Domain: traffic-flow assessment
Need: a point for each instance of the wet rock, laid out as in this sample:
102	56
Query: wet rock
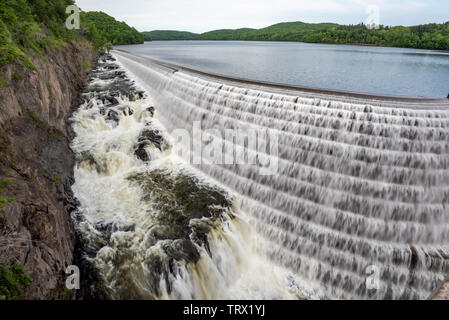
109	75
149	137
109	100
153	137
128	111
108	229
113	116
111	67
184	207
182	249
150	110
141	153
184	211
140	94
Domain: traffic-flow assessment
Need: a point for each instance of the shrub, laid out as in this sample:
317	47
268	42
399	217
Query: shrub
14	281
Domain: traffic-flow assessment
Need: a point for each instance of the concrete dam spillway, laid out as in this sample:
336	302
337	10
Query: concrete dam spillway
356	206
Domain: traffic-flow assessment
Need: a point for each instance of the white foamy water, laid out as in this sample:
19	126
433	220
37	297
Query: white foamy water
120	223
360	185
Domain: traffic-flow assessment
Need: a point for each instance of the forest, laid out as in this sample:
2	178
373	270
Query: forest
168	35
39	25
286	31
114	31
428	36
31	26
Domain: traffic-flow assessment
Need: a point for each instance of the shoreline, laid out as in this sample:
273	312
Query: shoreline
320	91
324	43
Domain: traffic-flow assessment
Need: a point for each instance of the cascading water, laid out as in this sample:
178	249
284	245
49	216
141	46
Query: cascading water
152	226
356	206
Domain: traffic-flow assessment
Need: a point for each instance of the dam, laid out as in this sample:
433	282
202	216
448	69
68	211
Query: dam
347	198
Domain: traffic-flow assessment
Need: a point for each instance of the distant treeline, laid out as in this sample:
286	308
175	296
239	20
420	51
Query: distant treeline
286	31
38	26
168	35
429	36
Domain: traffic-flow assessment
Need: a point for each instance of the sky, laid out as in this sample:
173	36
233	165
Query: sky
205	15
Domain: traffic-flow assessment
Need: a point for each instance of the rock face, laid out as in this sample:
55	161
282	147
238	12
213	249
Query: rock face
36	165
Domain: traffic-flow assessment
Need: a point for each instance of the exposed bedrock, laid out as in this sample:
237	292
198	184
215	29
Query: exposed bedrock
36	166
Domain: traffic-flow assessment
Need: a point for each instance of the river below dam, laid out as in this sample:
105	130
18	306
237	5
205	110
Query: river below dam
374	70
337	198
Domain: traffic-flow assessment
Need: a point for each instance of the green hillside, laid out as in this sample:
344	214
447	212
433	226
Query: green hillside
228	34
31	26
39	26
112	30
168	35
429	36
287	31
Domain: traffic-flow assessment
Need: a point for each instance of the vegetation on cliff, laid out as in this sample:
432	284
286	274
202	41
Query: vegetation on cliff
37	26
14	281
26	25
111	30
429	36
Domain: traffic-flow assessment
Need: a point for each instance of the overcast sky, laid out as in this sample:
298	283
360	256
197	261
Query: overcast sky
206	15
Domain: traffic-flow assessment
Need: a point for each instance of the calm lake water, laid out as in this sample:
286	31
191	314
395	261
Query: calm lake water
385	71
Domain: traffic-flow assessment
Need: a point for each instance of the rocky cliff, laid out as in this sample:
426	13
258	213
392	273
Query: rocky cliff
36	167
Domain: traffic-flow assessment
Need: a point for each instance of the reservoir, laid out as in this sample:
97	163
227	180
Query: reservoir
373	70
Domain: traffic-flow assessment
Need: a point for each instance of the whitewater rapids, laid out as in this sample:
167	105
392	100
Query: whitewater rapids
360	191
121	219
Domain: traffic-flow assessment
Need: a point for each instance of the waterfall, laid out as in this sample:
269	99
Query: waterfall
152	226
354	207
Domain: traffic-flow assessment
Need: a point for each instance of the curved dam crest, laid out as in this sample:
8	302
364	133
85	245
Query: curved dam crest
150	225
355	206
